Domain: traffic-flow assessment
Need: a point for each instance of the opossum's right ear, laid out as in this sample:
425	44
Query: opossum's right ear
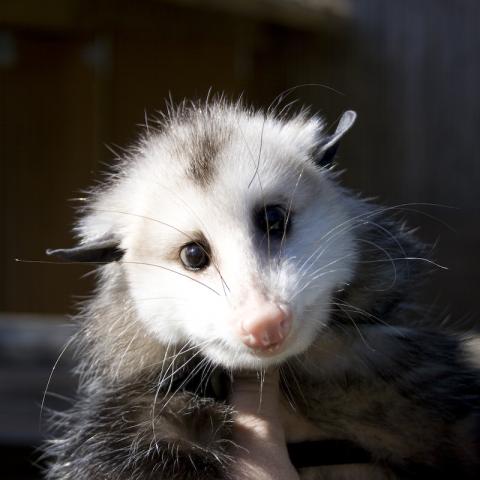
102	251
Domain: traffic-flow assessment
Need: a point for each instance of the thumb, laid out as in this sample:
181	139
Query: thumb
255	399
258	430
256	394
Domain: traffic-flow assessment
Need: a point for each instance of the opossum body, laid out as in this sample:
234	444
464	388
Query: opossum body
225	243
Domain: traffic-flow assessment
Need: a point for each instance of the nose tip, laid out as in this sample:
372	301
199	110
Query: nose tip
267	328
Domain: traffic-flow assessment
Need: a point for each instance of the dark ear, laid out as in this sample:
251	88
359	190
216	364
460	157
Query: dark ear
103	251
326	151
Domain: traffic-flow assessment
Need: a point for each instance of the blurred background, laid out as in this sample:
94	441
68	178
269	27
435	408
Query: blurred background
78	77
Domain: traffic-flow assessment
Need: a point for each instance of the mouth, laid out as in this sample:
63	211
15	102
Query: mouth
270	351
242	357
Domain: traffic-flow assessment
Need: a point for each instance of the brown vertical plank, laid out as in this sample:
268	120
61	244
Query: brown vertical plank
47	123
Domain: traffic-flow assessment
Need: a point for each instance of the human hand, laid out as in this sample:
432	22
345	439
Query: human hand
258	431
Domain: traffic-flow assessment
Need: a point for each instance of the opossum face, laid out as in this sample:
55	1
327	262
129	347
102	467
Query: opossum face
235	239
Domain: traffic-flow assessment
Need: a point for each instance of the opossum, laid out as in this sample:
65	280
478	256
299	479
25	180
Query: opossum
224	242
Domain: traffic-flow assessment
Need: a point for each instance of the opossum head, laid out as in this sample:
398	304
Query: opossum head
230	231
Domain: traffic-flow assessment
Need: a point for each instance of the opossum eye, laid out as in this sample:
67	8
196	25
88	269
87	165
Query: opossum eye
194	256
272	219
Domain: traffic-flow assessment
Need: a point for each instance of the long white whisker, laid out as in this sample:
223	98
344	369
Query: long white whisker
64	349
354	221
309	283
357	329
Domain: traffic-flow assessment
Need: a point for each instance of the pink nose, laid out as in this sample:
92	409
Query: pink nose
267	327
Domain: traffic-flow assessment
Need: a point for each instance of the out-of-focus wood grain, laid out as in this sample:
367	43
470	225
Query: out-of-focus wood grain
410	68
48	135
72	14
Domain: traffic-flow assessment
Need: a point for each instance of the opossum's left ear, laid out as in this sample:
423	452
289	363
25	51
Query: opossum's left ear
103	251
325	152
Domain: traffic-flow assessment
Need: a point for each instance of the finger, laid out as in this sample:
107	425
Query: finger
251	383
258	396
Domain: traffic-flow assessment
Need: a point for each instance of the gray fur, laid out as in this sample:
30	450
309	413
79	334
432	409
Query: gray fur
110	436
202	166
204	133
406	393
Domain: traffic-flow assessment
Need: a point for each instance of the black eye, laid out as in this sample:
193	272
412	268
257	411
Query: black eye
194	256
272	220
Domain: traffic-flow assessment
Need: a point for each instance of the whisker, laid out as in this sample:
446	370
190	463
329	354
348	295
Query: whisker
288	393
294	377
261	377
362	312
122	358
420	259
256	165
119	262
394	280
323	267
353	222
284	93
187	378
157	391
357	329
255	173
289	211
64	349
309	283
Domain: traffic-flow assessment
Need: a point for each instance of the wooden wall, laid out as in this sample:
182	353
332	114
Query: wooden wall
74	79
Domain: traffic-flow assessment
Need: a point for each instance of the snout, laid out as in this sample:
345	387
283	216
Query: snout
266	327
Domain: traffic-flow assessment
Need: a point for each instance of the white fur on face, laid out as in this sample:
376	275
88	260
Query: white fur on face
155	207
